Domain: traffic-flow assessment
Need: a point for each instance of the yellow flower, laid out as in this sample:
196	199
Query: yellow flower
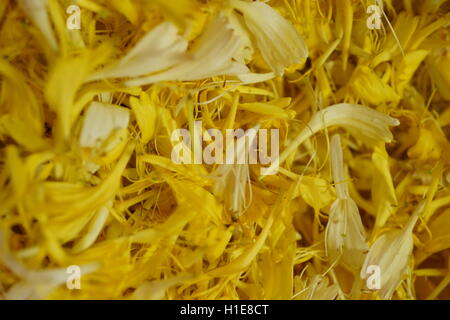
345	235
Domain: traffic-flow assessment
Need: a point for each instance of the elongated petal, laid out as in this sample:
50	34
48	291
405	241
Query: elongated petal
101	120
345	234
161	48
337	167
37	11
231	180
211	56
279	42
391	253
319	289
369	125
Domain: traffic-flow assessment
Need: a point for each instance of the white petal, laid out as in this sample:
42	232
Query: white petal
337	167
37	11
279	42
319	289
34	284
369	125
100	121
159	49
232	179
391	252
211	56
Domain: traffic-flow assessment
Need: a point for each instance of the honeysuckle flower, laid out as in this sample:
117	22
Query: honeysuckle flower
345	235
369	125
37	10
391	253
278	41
